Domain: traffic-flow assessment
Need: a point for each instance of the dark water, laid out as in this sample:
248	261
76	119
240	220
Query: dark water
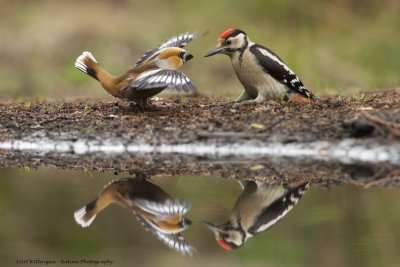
343	226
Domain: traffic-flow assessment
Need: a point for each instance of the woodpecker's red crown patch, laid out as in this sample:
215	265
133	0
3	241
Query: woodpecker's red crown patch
224	244
231	33
227	33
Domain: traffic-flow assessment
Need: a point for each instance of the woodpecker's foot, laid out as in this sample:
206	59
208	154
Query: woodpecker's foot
223	103
247	103
297	98
297	183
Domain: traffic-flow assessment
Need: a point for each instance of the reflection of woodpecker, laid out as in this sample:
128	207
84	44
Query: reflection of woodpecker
153	207
154	71
259	207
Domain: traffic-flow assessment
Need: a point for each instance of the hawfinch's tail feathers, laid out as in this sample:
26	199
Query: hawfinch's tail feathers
87	64
86	215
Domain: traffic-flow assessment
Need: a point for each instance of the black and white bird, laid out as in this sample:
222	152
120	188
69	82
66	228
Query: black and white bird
153	72
262	73
257	209
153	207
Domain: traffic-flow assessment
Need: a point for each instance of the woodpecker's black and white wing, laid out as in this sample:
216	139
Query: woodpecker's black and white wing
278	209
174	241
175	41
274	66
162	78
170	208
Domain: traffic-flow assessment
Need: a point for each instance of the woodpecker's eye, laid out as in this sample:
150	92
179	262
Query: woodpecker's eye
226	236
229	42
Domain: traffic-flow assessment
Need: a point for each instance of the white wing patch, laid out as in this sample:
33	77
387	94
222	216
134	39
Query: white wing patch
162	78
279	71
147	73
264	227
170	208
284	204
174	241
276	59
175	41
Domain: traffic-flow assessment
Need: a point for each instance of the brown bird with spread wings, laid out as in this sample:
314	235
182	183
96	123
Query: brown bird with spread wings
154	71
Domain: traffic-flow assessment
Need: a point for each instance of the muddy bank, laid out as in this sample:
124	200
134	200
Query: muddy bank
187	119
372	118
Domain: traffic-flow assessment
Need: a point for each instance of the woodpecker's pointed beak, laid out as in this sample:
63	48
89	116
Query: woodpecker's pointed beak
217	50
211	226
218	234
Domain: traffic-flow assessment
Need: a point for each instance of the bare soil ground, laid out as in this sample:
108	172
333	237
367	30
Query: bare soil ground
187	119
182	120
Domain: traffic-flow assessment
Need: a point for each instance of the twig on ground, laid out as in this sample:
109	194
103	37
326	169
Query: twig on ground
371	99
392	127
390	177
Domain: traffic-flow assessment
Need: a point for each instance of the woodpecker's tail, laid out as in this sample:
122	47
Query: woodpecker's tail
87	64
86	215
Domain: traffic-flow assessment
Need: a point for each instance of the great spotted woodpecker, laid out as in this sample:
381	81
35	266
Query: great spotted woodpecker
153	207
258	208
154	71
262	73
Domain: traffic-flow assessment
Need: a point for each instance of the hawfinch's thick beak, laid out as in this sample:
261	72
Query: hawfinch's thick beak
187	56
184	223
217	50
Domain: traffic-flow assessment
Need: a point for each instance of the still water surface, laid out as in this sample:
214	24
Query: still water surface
342	226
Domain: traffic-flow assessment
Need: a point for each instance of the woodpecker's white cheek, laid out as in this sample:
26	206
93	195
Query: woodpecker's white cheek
237	43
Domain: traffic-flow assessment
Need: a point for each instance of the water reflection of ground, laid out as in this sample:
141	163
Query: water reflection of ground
37	207
366	162
270	169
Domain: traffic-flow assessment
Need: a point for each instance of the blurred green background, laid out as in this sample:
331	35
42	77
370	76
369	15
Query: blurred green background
346	226
336	47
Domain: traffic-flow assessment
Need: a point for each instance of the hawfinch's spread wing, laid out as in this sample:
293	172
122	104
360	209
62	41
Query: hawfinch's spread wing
175	41
161	78
172	240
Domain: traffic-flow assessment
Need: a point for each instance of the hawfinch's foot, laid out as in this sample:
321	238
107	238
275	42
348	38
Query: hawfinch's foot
160	105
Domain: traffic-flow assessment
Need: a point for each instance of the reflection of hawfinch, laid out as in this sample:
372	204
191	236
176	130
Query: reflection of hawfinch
153	207
155	71
258	208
